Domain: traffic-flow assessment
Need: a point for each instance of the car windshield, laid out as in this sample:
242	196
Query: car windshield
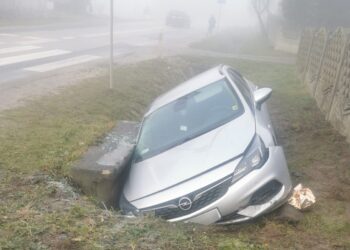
186	118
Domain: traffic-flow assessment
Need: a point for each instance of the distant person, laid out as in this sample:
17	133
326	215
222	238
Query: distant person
212	25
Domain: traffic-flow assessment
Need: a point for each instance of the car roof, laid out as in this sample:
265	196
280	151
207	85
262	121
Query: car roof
197	82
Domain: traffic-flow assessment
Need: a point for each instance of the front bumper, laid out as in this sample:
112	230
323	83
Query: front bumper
236	204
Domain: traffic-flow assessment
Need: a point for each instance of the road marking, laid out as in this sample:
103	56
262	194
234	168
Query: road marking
62	64
38	41
32	37
68	37
95	35
17	49
141	43
7	34
140	30
122	32
33	56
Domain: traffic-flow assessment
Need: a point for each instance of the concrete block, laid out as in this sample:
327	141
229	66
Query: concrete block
100	171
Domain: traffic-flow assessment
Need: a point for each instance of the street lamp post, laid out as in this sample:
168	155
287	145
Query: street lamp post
112	46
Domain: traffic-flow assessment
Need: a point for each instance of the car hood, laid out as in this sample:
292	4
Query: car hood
190	159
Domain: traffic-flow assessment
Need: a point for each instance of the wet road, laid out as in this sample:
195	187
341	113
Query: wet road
26	52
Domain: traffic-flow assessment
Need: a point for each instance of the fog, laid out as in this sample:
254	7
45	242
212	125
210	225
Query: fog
82	27
237	13
145	110
233	13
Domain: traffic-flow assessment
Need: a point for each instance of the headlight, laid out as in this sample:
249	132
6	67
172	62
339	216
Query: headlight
254	158
126	207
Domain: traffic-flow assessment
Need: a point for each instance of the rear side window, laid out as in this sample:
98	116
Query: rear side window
243	88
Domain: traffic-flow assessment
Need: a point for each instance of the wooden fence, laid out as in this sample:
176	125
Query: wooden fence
323	65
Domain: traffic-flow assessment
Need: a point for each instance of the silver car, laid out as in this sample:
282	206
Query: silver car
207	153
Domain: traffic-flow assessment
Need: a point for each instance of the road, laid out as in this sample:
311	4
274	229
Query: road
36	61
28	52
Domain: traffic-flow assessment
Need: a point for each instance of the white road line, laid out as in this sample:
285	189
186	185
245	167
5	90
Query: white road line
143	43
140	30
32	37
68	37
38	41
122	32
33	56
8	35
95	35
62	64
17	49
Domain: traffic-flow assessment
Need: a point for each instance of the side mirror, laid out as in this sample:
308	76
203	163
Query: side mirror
261	96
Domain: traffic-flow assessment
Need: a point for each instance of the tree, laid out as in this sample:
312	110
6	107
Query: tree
261	8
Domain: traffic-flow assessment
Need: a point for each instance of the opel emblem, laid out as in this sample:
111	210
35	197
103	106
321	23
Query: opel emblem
185	203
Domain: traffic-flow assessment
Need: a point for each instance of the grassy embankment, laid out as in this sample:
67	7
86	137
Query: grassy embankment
39	142
239	43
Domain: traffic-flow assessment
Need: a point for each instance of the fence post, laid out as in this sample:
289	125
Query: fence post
317	78
337	79
308	56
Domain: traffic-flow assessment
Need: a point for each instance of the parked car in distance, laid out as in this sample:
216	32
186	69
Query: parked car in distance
178	19
207	153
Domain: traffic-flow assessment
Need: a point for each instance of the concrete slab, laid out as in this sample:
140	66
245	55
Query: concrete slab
100	171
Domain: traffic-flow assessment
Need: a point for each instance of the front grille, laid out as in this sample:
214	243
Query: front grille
266	193
200	199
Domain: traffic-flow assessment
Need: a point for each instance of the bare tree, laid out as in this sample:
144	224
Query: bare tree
261	8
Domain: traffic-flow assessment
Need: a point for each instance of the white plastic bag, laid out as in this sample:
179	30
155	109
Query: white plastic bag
302	198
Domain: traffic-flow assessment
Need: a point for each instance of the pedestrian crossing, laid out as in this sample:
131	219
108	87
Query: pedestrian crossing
17	49
8	35
62	63
38	54
38	41
29	56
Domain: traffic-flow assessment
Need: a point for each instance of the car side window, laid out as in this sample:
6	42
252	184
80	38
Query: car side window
243	87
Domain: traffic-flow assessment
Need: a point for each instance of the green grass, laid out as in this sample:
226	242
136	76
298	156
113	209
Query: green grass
238	42
46	136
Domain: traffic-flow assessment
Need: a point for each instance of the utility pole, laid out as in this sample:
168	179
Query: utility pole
111	63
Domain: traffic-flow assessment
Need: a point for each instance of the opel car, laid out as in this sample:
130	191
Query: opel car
207	153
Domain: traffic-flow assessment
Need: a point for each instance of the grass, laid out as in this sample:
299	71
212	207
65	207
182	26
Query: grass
238	42
39	142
